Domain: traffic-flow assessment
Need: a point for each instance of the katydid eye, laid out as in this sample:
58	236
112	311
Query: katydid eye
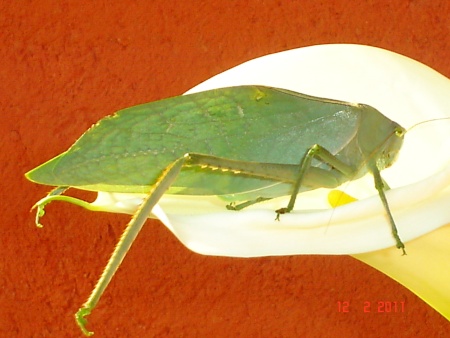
399	131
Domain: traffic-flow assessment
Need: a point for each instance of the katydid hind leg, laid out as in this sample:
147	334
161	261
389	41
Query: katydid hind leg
40	205
381	187
126	240
278	172
165	180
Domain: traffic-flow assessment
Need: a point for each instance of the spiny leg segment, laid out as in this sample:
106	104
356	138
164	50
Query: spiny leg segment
381	187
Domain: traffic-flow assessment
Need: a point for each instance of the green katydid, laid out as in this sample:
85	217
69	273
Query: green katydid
245	144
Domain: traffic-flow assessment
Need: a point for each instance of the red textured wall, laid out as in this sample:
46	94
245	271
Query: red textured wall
67	64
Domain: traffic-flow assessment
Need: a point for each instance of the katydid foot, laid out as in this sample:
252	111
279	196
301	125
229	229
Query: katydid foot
81	321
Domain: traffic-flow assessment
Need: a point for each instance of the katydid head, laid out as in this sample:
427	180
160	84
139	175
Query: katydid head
379	138
390	149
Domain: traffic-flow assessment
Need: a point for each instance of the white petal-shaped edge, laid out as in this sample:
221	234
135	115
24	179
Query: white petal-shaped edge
407	92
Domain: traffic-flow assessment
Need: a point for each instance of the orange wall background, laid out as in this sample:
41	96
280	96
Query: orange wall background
66	64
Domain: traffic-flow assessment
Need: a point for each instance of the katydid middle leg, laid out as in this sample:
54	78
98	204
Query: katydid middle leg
320	153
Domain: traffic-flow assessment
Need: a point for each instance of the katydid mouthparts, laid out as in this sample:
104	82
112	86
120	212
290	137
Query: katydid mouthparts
245	144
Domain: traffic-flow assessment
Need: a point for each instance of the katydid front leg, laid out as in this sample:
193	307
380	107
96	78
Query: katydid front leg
381	186
325	156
